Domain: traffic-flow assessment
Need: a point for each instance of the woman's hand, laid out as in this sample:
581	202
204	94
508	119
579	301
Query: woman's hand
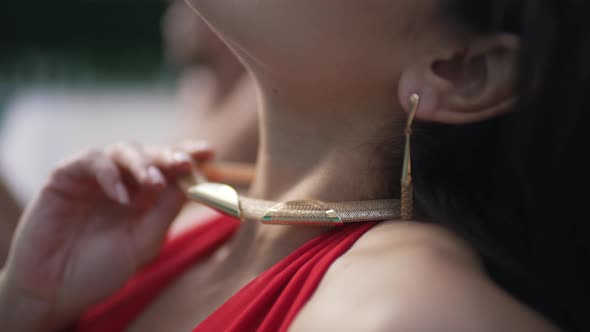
99	218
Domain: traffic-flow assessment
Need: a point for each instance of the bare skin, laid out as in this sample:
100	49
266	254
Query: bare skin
322	114
413	277
209	113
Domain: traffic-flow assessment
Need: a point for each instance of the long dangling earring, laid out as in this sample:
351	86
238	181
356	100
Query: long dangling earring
407	200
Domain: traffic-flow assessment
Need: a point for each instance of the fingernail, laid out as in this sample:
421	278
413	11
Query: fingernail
122	195
155	175
181	158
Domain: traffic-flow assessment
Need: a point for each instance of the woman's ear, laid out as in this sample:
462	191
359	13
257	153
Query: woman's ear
466	85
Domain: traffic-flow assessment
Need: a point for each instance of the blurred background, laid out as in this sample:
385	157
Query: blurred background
79	73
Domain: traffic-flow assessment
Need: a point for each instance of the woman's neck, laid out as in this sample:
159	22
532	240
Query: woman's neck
327	148
319	147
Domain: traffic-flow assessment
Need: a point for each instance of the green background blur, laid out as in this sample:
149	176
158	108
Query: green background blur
72	42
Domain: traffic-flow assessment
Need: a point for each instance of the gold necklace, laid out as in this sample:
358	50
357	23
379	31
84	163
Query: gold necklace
227	200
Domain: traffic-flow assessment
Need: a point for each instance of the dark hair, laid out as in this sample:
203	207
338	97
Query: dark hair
515	187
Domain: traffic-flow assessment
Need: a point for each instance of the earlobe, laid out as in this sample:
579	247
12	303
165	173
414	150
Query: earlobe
418	81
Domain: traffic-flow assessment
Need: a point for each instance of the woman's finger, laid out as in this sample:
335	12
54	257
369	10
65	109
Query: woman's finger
171	161
95	165
110	180
138	164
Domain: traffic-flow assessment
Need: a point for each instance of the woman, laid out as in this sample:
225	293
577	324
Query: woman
495	163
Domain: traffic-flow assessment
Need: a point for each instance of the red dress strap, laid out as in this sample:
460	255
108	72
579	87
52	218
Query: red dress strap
272	301
269	303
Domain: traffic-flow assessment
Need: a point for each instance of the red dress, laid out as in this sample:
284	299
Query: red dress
269	303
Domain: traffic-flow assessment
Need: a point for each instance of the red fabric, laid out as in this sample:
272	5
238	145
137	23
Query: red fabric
269	303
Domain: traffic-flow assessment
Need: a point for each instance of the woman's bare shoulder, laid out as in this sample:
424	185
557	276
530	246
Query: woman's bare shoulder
412	277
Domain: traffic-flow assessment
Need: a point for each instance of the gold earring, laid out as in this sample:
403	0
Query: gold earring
407	200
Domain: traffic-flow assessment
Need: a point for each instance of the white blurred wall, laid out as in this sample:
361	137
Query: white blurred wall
44	126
